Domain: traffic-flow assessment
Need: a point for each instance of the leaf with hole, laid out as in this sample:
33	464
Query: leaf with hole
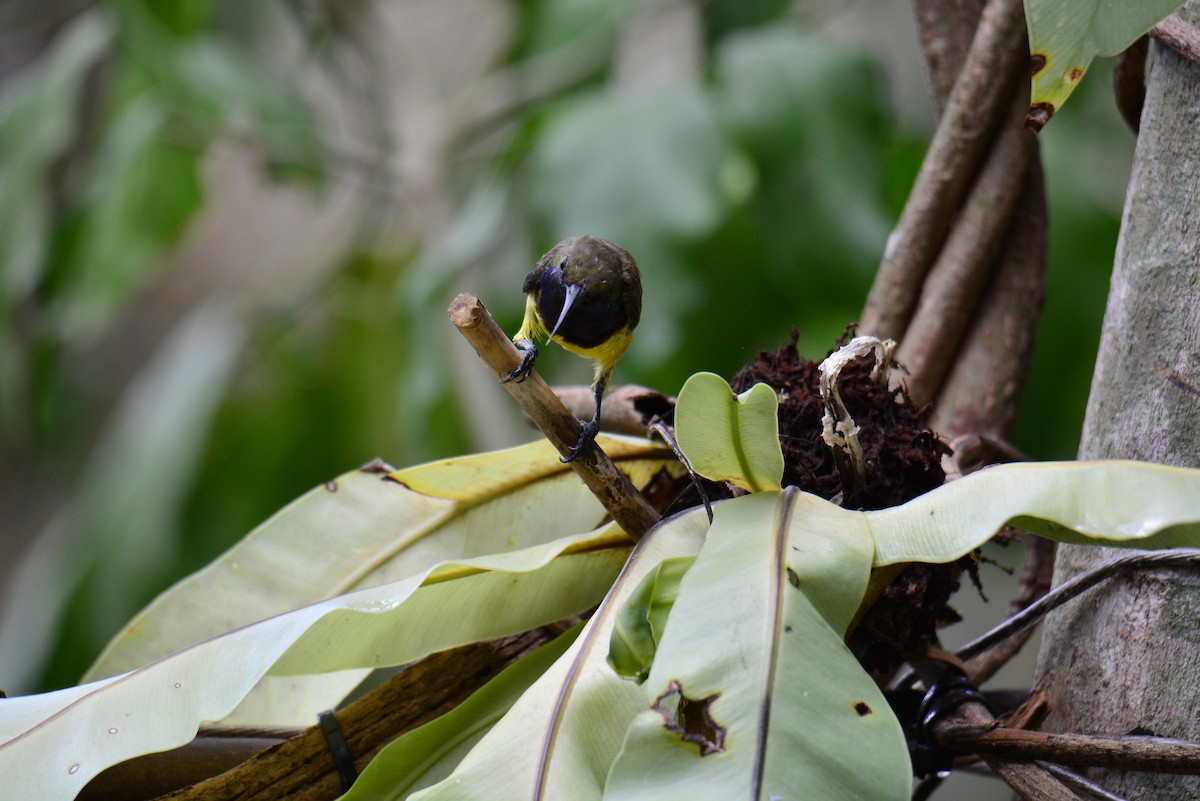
559	740
753	693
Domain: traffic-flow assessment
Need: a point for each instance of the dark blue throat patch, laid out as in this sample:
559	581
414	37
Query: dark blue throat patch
592	319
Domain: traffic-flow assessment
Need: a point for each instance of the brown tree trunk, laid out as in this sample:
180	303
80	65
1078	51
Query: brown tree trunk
1126	657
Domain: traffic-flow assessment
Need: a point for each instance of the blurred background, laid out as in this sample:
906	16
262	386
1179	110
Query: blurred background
229	233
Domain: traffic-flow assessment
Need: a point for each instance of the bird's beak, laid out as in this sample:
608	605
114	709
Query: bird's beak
572	291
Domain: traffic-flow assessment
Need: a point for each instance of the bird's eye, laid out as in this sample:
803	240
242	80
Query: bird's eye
562	265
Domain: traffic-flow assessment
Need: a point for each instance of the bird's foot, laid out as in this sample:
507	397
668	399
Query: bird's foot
587	440
528	357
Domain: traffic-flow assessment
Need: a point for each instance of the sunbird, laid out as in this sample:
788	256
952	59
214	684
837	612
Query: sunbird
586	295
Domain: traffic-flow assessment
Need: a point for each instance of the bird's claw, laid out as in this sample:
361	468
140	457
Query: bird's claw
587	439
522	371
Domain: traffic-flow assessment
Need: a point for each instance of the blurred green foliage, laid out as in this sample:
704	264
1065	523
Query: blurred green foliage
229	234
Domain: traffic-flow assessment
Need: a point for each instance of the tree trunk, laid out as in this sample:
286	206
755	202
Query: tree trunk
1126	657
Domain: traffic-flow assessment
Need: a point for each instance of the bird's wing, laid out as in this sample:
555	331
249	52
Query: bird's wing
631	296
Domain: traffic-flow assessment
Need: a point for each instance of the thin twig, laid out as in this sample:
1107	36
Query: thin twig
980	669
976	106
928	787
668	436
1073	780
1037	574
1076	586
611	487
1077	782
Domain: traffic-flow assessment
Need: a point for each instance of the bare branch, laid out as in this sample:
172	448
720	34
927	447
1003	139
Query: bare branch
1147	754
1029	780
946	28
628	409
611	487
301	768
1080	783
1076	586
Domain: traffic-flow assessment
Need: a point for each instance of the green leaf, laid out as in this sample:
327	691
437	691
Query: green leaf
730	438
362	529
559	740
1115	503
52	744
753	693
427	754
1065	35
641	621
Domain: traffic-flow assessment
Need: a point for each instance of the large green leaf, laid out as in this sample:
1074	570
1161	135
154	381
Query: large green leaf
559	740
52	744
729	437
1065	35
1111	503
1103	503
753	693
362	529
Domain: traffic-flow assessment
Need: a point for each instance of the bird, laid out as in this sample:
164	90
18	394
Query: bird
585	294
